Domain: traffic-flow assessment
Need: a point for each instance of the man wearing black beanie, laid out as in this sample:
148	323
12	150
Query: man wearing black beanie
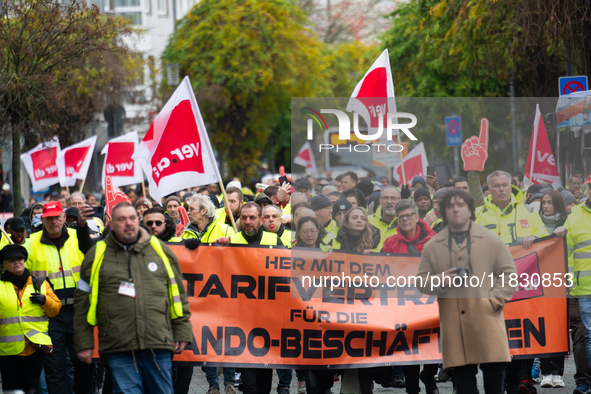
322	207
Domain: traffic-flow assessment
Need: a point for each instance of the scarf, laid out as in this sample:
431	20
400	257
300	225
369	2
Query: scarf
18	281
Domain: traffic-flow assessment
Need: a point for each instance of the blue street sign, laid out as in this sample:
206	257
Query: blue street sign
568	85
453	131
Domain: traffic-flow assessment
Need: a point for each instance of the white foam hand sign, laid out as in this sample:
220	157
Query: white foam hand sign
475	149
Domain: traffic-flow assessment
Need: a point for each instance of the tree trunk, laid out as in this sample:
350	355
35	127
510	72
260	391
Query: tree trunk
16	169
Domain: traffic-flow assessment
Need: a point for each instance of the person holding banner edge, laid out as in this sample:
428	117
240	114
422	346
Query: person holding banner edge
57	253
254	380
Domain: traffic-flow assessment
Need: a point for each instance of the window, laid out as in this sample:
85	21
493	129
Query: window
162	6
127	3
135	17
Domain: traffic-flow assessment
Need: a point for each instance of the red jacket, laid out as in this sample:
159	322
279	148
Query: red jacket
399	243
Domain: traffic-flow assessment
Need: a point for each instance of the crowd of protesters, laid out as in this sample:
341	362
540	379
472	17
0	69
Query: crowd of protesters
58	244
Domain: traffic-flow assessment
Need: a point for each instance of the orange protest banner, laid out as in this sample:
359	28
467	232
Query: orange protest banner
267	307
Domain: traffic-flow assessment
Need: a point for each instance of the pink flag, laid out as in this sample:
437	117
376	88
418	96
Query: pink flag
40	163
73	162
305	158
175	153
415	164
119	163
540	166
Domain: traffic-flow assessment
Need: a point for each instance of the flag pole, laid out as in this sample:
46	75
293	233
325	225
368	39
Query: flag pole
227	206
533	151
6	235
143	189
68	189
82	185
401	161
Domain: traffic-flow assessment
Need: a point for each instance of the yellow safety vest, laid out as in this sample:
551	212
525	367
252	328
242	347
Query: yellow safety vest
61	266
214	231
174	296
220	215
287	238
331	231
513	223
578	241
3	240
18	321
287	209
386	229
267	239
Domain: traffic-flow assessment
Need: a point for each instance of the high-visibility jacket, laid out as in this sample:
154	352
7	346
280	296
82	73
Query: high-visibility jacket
21	318
3	240
174	296
221	215
513	223
210	233
267	239
60	265
287	238
287	209
578	242
386	229
331	231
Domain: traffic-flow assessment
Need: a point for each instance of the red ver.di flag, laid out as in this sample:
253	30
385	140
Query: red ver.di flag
305	158
73	162
40	163
119	163
541	167
415	164
373	97
175	153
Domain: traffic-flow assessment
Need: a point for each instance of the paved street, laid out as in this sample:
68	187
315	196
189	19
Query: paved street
200	386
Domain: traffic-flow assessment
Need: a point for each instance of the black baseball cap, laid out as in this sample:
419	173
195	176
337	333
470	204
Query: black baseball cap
17	223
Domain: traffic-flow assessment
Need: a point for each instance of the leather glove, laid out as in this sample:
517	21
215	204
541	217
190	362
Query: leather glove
37	298
192	244
404	192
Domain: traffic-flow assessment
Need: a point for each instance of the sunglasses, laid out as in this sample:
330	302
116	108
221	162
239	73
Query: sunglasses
150	223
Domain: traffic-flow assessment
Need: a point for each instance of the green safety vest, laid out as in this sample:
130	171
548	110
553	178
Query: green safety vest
44	260
214	231
578	241
513	223
267	239
386	229
176	309
18	321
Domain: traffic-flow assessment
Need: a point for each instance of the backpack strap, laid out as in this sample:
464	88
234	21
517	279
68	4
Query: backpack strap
38	282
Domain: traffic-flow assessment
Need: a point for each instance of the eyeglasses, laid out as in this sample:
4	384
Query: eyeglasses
406	217
150	223
389	198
